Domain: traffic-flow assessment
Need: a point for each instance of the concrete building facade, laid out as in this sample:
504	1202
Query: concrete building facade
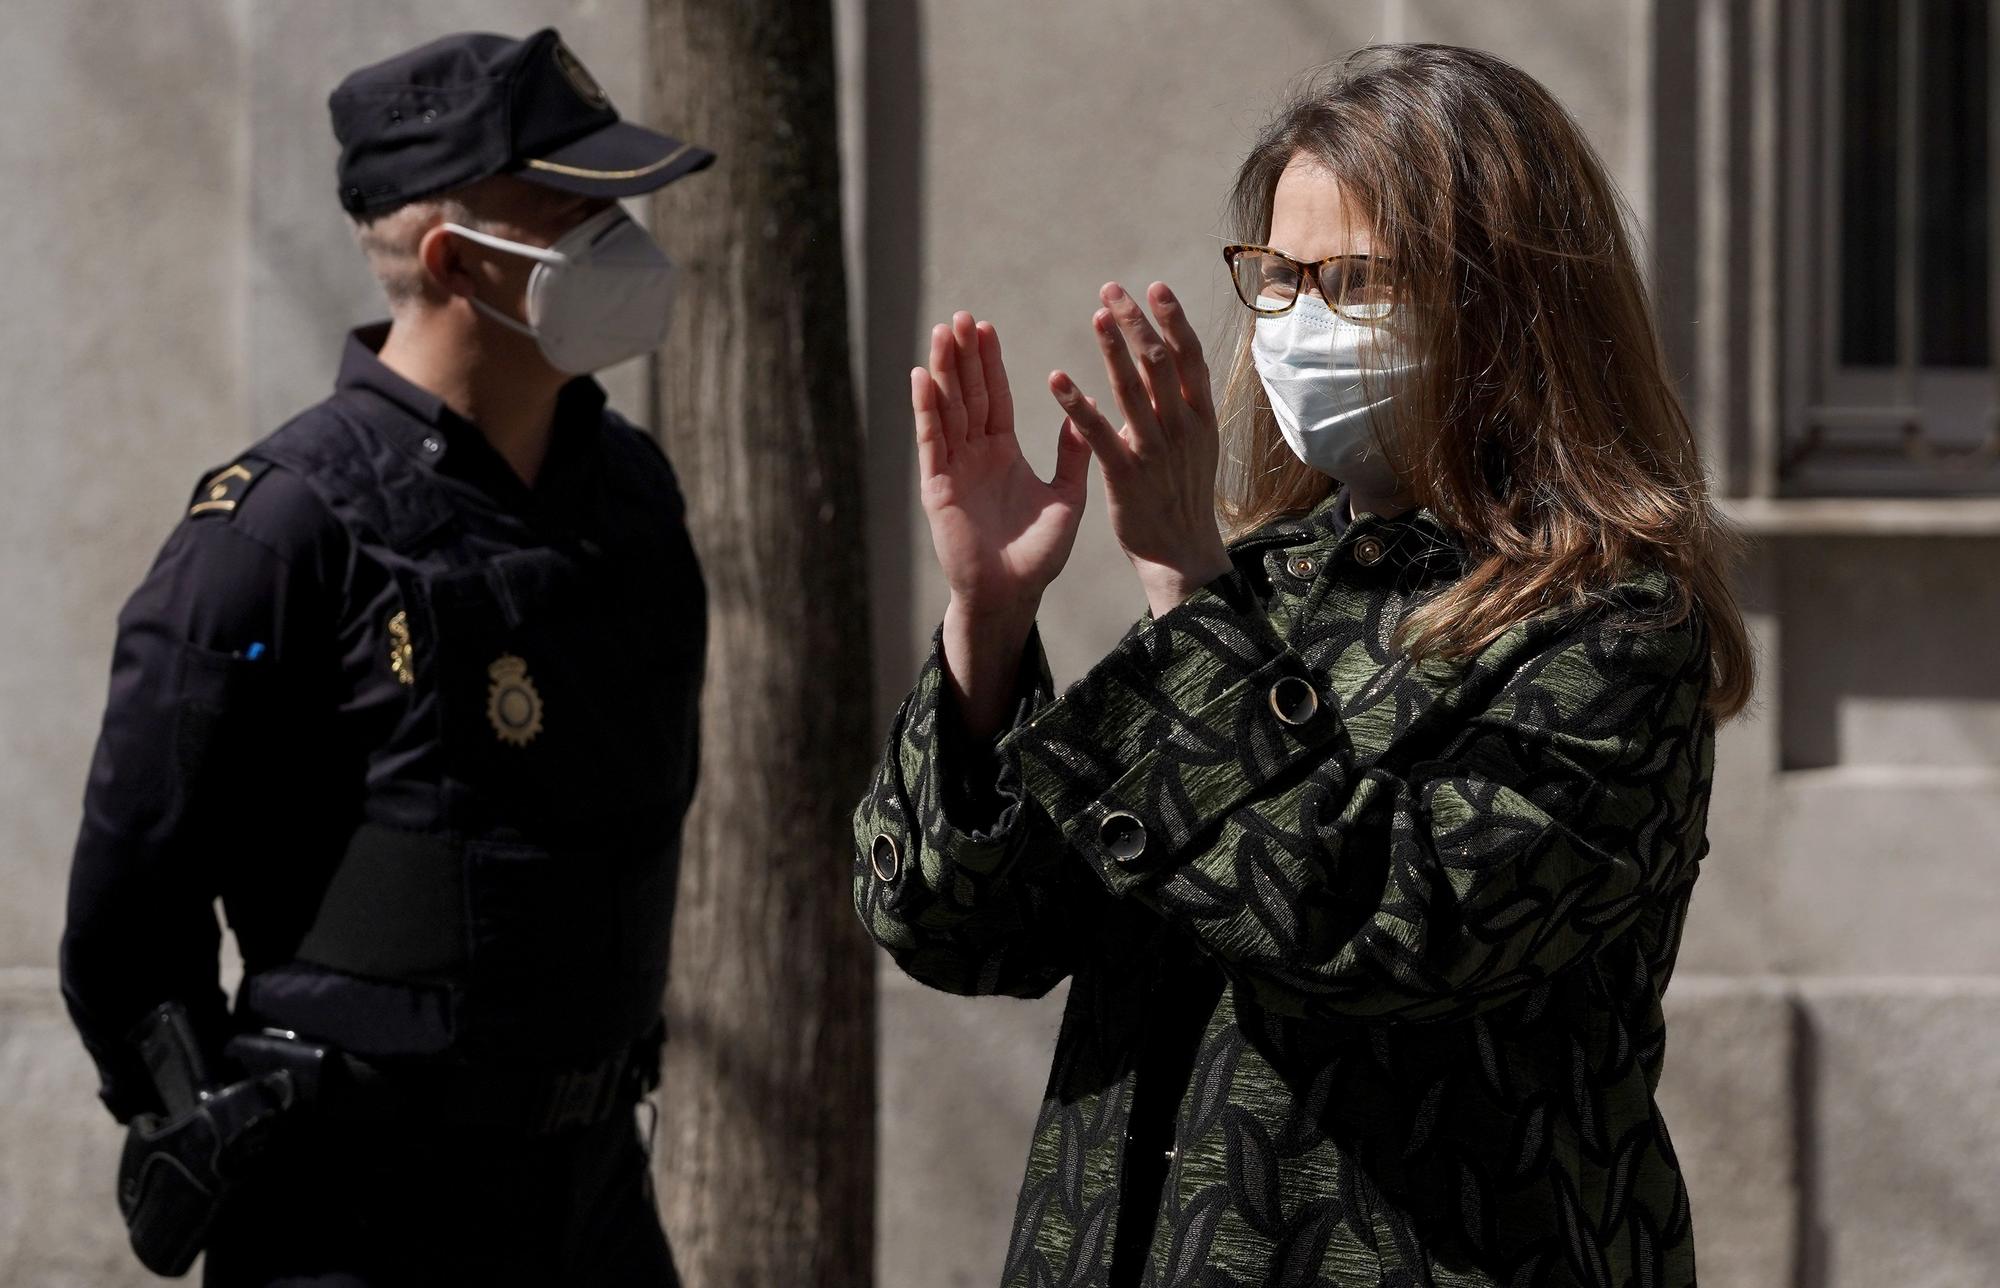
183	276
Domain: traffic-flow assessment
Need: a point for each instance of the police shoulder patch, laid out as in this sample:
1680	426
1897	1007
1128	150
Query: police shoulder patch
220	492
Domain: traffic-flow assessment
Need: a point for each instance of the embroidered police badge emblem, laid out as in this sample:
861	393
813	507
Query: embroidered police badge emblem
513	705
579	79
402	654
220	491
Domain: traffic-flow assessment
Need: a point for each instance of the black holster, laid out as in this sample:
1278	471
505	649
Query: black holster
179	1166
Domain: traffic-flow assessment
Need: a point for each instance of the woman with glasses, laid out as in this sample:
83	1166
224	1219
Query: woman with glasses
1366	852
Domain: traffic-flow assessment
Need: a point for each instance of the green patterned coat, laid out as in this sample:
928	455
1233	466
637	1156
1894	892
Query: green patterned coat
1439	904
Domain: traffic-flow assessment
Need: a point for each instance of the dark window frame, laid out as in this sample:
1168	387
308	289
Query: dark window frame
1865	429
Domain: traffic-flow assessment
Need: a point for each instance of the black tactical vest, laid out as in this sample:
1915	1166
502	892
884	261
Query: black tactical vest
555	679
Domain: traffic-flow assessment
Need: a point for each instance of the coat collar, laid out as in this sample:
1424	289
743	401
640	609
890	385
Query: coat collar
1326	526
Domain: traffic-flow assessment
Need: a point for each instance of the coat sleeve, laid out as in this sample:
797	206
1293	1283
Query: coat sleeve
207	647
956	873
1426	884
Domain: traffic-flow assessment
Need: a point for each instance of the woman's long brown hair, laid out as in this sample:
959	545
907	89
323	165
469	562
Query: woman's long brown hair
1543	429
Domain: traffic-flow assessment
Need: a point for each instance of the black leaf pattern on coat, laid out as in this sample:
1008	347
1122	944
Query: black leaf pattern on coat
1193	1234
1027	1227
1644	1240
1272	895
1087	1254
1069	1175
1253	1173
1424	1121
1532	1138
1215	1068
1302	1125
1295	1262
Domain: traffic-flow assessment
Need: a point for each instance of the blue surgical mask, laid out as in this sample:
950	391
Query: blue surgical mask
1332	384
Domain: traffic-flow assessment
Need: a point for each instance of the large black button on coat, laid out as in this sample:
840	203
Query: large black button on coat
1293	700
1122	835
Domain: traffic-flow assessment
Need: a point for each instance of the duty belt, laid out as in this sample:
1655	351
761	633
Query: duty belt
345	1087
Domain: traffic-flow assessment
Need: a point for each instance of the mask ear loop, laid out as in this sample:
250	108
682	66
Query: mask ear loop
543	253
540	254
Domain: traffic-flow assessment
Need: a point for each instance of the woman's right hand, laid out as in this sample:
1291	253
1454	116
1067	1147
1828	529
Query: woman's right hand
1001	533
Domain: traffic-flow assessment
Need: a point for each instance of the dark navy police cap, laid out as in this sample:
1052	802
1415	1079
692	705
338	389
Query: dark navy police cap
472	105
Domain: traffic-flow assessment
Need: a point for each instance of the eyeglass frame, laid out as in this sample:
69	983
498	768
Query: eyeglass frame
1308	271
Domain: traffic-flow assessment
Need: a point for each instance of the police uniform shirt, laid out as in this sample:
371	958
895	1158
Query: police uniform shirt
271	684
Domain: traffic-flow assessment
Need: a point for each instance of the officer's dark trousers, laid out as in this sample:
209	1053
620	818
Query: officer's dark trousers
346	1206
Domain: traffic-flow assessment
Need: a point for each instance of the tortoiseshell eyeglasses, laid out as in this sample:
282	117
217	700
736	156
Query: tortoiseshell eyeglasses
1359	288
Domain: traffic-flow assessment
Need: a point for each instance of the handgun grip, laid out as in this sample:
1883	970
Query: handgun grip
172	1053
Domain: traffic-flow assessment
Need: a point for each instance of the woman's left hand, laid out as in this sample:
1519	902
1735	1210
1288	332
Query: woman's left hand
1159	470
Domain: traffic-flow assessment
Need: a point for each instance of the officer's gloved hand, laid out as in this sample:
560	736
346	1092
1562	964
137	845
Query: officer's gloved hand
175	1172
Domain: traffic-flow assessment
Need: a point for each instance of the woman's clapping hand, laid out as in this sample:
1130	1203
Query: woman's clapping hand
1001	534
1159	469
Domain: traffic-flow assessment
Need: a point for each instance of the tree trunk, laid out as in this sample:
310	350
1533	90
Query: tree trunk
766	1157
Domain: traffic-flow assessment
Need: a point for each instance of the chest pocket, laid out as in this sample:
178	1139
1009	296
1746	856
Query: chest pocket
568	688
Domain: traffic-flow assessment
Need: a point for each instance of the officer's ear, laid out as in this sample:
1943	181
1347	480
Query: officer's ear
446	265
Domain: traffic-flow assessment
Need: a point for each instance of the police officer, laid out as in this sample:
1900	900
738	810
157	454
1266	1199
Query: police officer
412	690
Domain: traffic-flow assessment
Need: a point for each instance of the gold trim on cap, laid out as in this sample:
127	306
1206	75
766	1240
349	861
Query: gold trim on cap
580	172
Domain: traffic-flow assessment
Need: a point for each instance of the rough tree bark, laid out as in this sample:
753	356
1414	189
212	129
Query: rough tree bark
766	1157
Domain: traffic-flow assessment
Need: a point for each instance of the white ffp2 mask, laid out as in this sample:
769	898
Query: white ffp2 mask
602	293
1330	394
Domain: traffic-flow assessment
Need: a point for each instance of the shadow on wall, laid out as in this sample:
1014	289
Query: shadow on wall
891	254
1883	654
